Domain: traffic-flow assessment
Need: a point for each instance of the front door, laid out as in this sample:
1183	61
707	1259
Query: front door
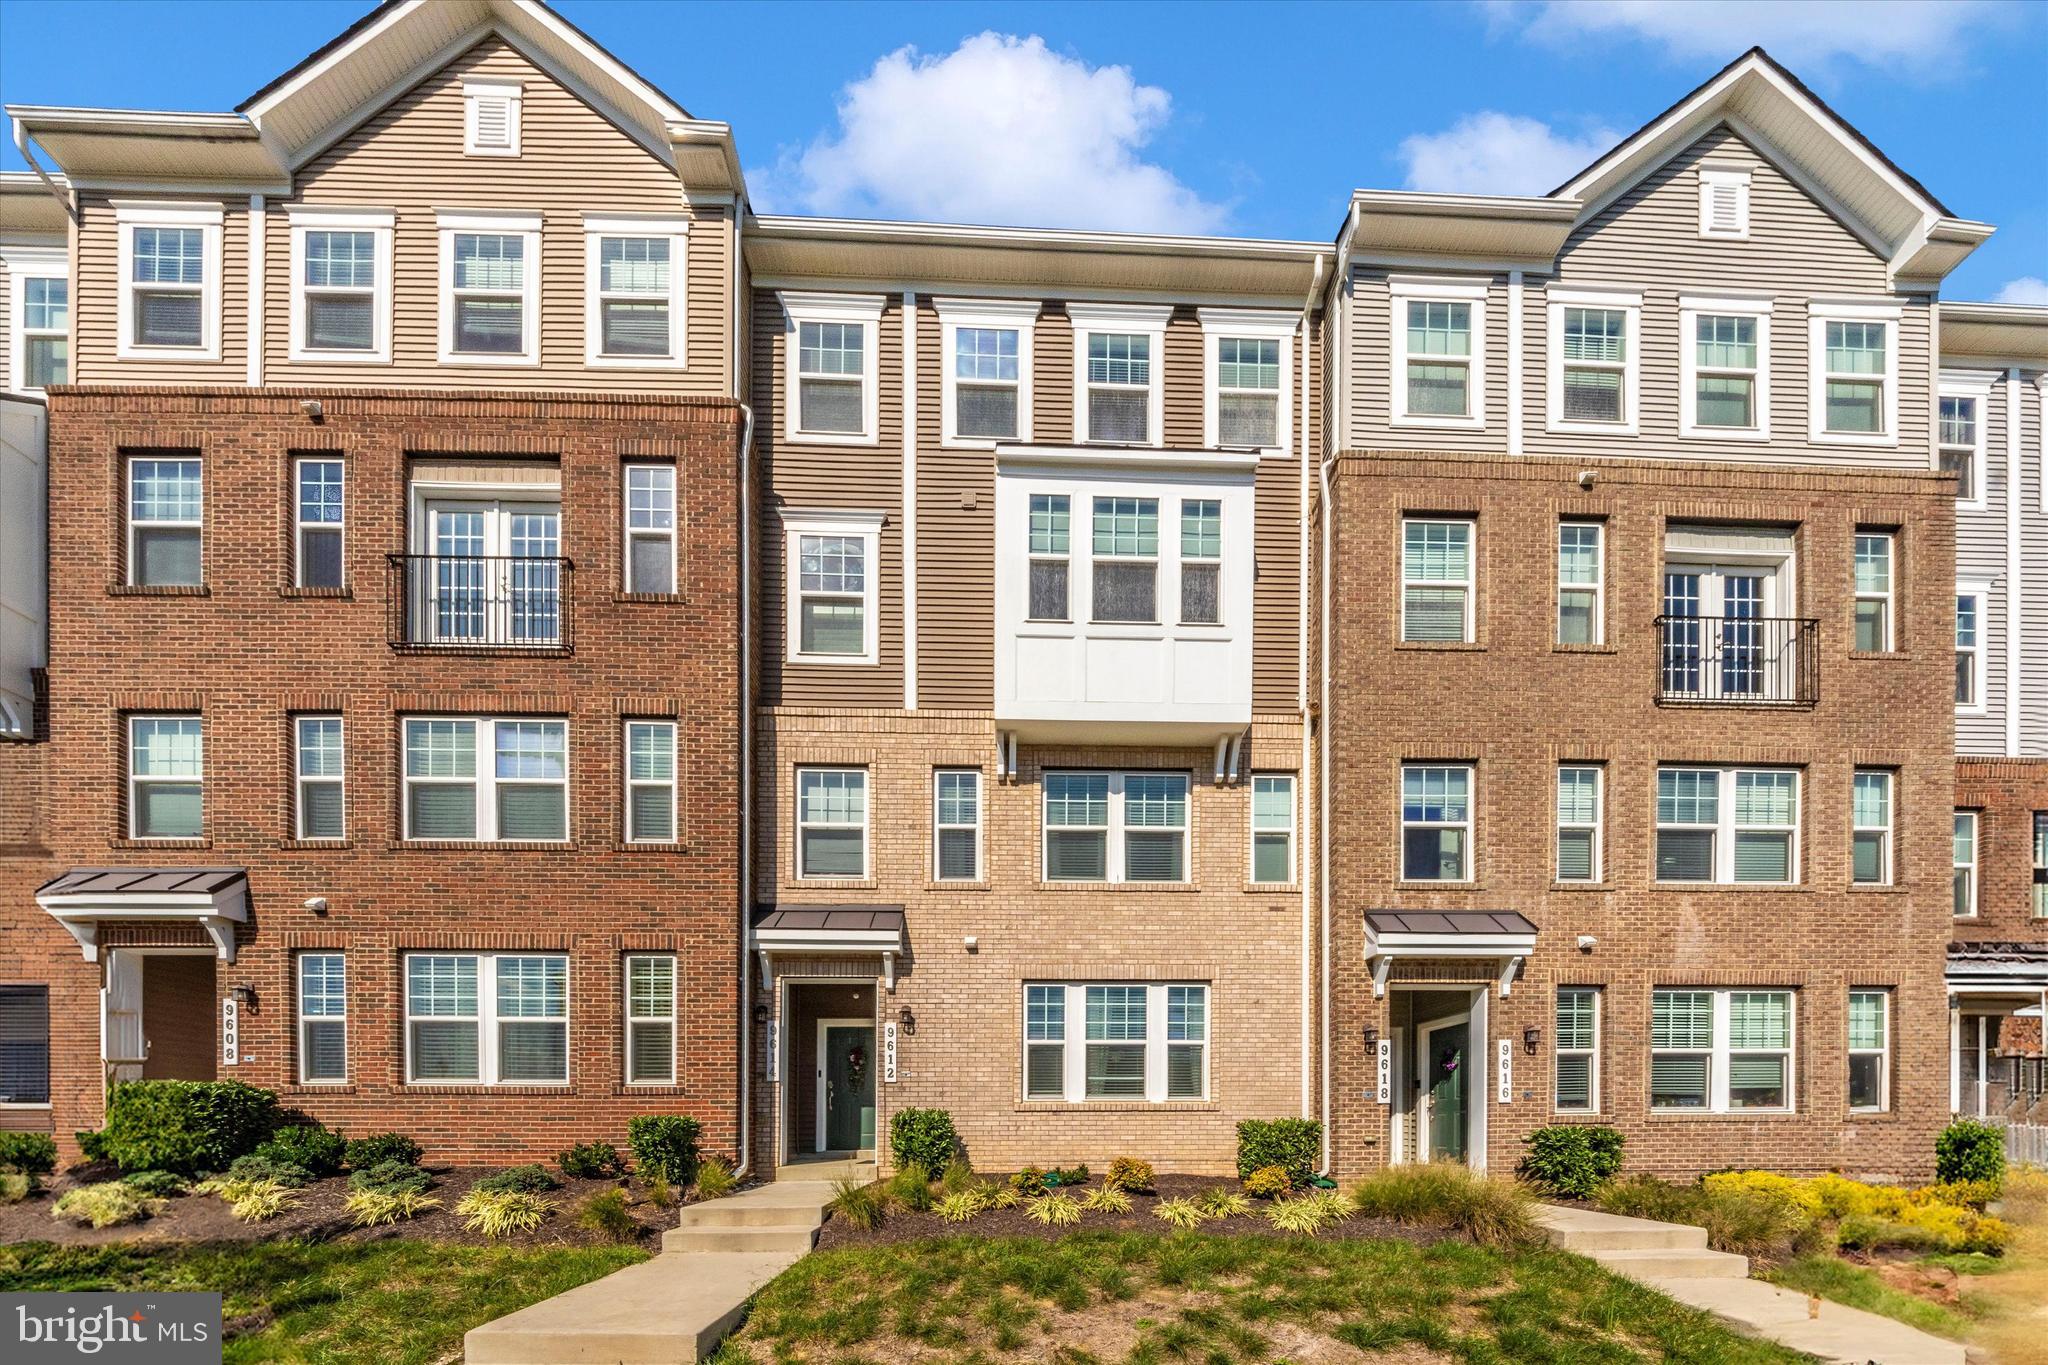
848	1063
1445	1064
180	1041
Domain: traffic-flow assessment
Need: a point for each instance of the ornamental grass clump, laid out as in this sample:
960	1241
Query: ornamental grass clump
714	1179
378	1208
1309	1213
1107	1199
1444	1194
960	1206
1054	1210
104	1205
501	1213
252	1199
860	1205
606	1214
911	1189
1183	1213
1220	1202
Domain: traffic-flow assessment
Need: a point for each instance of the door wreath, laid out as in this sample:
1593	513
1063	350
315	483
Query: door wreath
856	1063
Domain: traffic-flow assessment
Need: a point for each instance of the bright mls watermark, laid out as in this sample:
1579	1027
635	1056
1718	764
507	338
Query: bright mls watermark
163	1329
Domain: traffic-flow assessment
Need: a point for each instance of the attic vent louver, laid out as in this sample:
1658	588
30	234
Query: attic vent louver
1724	201
491	118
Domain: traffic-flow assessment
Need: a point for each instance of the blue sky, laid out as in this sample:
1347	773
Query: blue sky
1210	117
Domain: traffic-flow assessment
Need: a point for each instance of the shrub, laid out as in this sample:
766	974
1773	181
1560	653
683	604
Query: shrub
1067	1178
1571	1160
1496	1213
1182	1213
28	1153
527	1179
1219	1202
664	1145
1754	1214
1970	1149
714	1179
1294	1145
1267	1182
308	1146
256	1167
923	1138
499	1213
592	1161
959	1206
659	1192
377	1208
605	1213
365	1152
911	1189
390	1177
1028	1181
185	1126
1107	1199
1054	1210
156	1184
104	1205
1941	1217
92	1144
16	1186
860	1205
959	1175
253	1200
1129	1173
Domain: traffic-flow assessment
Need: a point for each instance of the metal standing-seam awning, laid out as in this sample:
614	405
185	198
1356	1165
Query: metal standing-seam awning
214	898
1503	935
840	930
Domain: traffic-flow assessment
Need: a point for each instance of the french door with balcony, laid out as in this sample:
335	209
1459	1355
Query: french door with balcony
491	573
1718	632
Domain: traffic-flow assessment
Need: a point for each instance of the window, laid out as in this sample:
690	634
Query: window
1719	1051
1272	828
1970	598
650	528
1436	824
1724	200
1439	335
1045	1042
323	1019
833	372
24	1045
1187	1042
650	781
317	523
41	343
490	289
490	117
1578	1051
165	510
1116	361
651	1019
1141	1042
1960	440
1201	561
322	808
1248	403
1726	355
1050	565
832	598
1728	825
1870	1038
489	1019
633	272
1870	853
1578	824
341	285
522	793
2040	898
1116	827
1581	571
1854	377
1593	361
1873	591
169	263
986	369
1965	859
1116	1042
166	777
832	822
1126	568
956	825
1436	581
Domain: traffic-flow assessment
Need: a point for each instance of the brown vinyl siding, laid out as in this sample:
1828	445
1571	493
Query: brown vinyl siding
1180	369
956	566
1052	375
96	295
1276	550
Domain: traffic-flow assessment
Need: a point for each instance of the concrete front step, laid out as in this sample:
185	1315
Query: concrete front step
1665	1263
861	1168
1588	1230
734	1213
792	1238
669	1309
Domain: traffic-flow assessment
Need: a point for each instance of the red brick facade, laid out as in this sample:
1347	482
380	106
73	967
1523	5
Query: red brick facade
2006	793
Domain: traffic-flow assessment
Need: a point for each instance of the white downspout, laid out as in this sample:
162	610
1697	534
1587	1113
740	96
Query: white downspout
259	242
746	475
910	420
1515	362
2015	565
1306	874
1339	419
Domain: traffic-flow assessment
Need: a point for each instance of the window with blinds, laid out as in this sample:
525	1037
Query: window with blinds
650	781
956	825
1961	443
1119	387
1578	1057
634	293
1964	858
1595	350
1116	1042
1272	828
1870	848
322	804
832	822
1681	1049
830	370
1736	825
1721	1050
1116	827
1855	374
323	1018
167	777
1248	392
520	792
1436	581
651	1019
1578	823
1045	1042
166	520
24	1044
1436	823
340	283
1581	582
1187	1042
1869	1051
1140	1042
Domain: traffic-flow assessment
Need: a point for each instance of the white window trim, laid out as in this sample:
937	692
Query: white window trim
22	265
132	214
485	781
980	822
1598	587
508	88
1725	828
863	309
199	525
1980	672
1821	312
1718	1055
135	781
1257	325
1469	824
1691	308
1011	315
1253	830
1975	385
677	232
378	223
1114	869
1714	174
505	224
626	1007
1140	319
300	780
798	824
1887	596
632	783
301	526
1592	1054
1976	863
1883	1053
1403	290
1470	583
1891	800
1598	825
1628	302
797	523
628	533
486	1019
1074	1044
299	1003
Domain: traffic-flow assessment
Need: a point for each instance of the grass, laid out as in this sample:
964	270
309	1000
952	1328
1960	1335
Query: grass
398	1302
1840	1282
1150	1298
1445	1194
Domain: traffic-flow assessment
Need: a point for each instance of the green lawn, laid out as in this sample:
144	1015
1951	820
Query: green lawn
1146	1299
1835	1279
390	1301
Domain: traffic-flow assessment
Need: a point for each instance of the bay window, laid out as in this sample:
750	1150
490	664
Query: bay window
1870	1038
986	369
1436	581
169	262
1436	823
1439	349
520	793
1595	361
166	777
832	823
166	521
490	288
1117	353
1853	377
1201	561
1735	825
1719	1051
1125	572
487	1018
1138	1043
633	276
1116	827
323	1019
832	343
1051	565
1726	349
651	1019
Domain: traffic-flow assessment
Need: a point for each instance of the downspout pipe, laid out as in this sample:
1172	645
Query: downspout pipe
56	191
746	896
1308	774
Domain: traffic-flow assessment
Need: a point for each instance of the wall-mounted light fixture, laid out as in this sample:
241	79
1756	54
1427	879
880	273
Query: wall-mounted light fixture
317	904
245	996
760	1011
908	1020
1372	1034
1532	1038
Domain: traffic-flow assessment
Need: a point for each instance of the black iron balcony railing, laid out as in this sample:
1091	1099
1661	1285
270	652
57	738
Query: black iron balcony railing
492	602
1739	660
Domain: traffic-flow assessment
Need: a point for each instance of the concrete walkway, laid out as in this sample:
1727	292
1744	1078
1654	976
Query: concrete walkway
1673	1258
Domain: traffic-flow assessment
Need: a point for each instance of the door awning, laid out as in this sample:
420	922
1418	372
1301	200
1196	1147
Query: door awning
214	898
2014	975
811	930
1502	935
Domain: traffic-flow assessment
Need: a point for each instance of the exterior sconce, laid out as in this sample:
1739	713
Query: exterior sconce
1372	1034
760	1012
1532	1038
908	1020
245	996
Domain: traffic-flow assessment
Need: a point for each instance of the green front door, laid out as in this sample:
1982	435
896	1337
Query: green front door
849	1085
1445	1065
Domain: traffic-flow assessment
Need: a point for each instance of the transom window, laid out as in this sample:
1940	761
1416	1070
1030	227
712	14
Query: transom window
1873	591
487	1019
520	793
165	523
1051	566
956	825
1116	827
1870	853
1961	443
651	528
166	777
832	822
1248	391
633	313
1436	581
1581	582
322	804
1578	1051
650	781
1870	1040
1126	569
1728	825
1436	823
1578	823
1272	828
321	485
651	1019
1719	1050
1964	858
43	331
323	1019
1138	1042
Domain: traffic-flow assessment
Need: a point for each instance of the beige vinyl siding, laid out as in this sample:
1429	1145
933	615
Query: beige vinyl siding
95	297
956	508
1052	375
1276	550
2034	556
1180	369
6	321
1981	541
1371	358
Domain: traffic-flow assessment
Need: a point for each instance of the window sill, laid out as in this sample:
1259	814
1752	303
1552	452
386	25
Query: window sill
1725	1116
159	843
651	598
1407	422
980	884
1560	648
316	845
303	594
487	845
1272	888
310	1088
1116	1107
652	1089
555	1089
1734	888
649	846
1876	654
1442	646
1871	1116
1581	886
828	884
1872	889
1120	887
1438	884
158	590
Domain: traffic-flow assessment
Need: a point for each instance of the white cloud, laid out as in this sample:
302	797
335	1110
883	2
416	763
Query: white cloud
2031	290
1000	130
1494	153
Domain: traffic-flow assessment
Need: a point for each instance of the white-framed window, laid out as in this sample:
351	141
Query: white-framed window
1870	1051
1874	561
169	259
1964	858
1125	571
1201	561
1576	1087
1273	828
1728	825
1051	550
1960	433
486	1019
2040	887
832	348
1436	580
1138	1042
519	792
650	1019
323	1019
25	1044
956	825
490	116
1724	200
1717	1051
320	776
1725	347
1436	822
341	284
1119	350
832	823
650	554
1595	361
985	366
650	781
1970	618
1438	329
1581	582
831	568
1870	820
1853	393
1579	800
39	320
318	513
1248	403
166	522
490	288
633	296
1116	827
166	777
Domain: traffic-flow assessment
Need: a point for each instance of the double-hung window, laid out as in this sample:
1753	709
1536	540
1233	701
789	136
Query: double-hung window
956	825
166	777
1116	1042
2040	886
832	822
41	342
1870	1038
1436	823
1718	1051
317	522
1247	403
1139	1042
1964	858
1870	851
1045	1042
832	570
520	791
322	806
650	781
170	268
633	292
1577	1089
1581	582
1439	336
1050	550
650	528
1728	825
1125	572
986	368
1594	361
1873	591
651	1019
1726	349
832	343
341	284
489	1019
1116	827
323	1019
1960	440
1272	828
25	1045
1201	561
1578	823
166	517
1117	355
1970	688
1854	389
1436	580
490	289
